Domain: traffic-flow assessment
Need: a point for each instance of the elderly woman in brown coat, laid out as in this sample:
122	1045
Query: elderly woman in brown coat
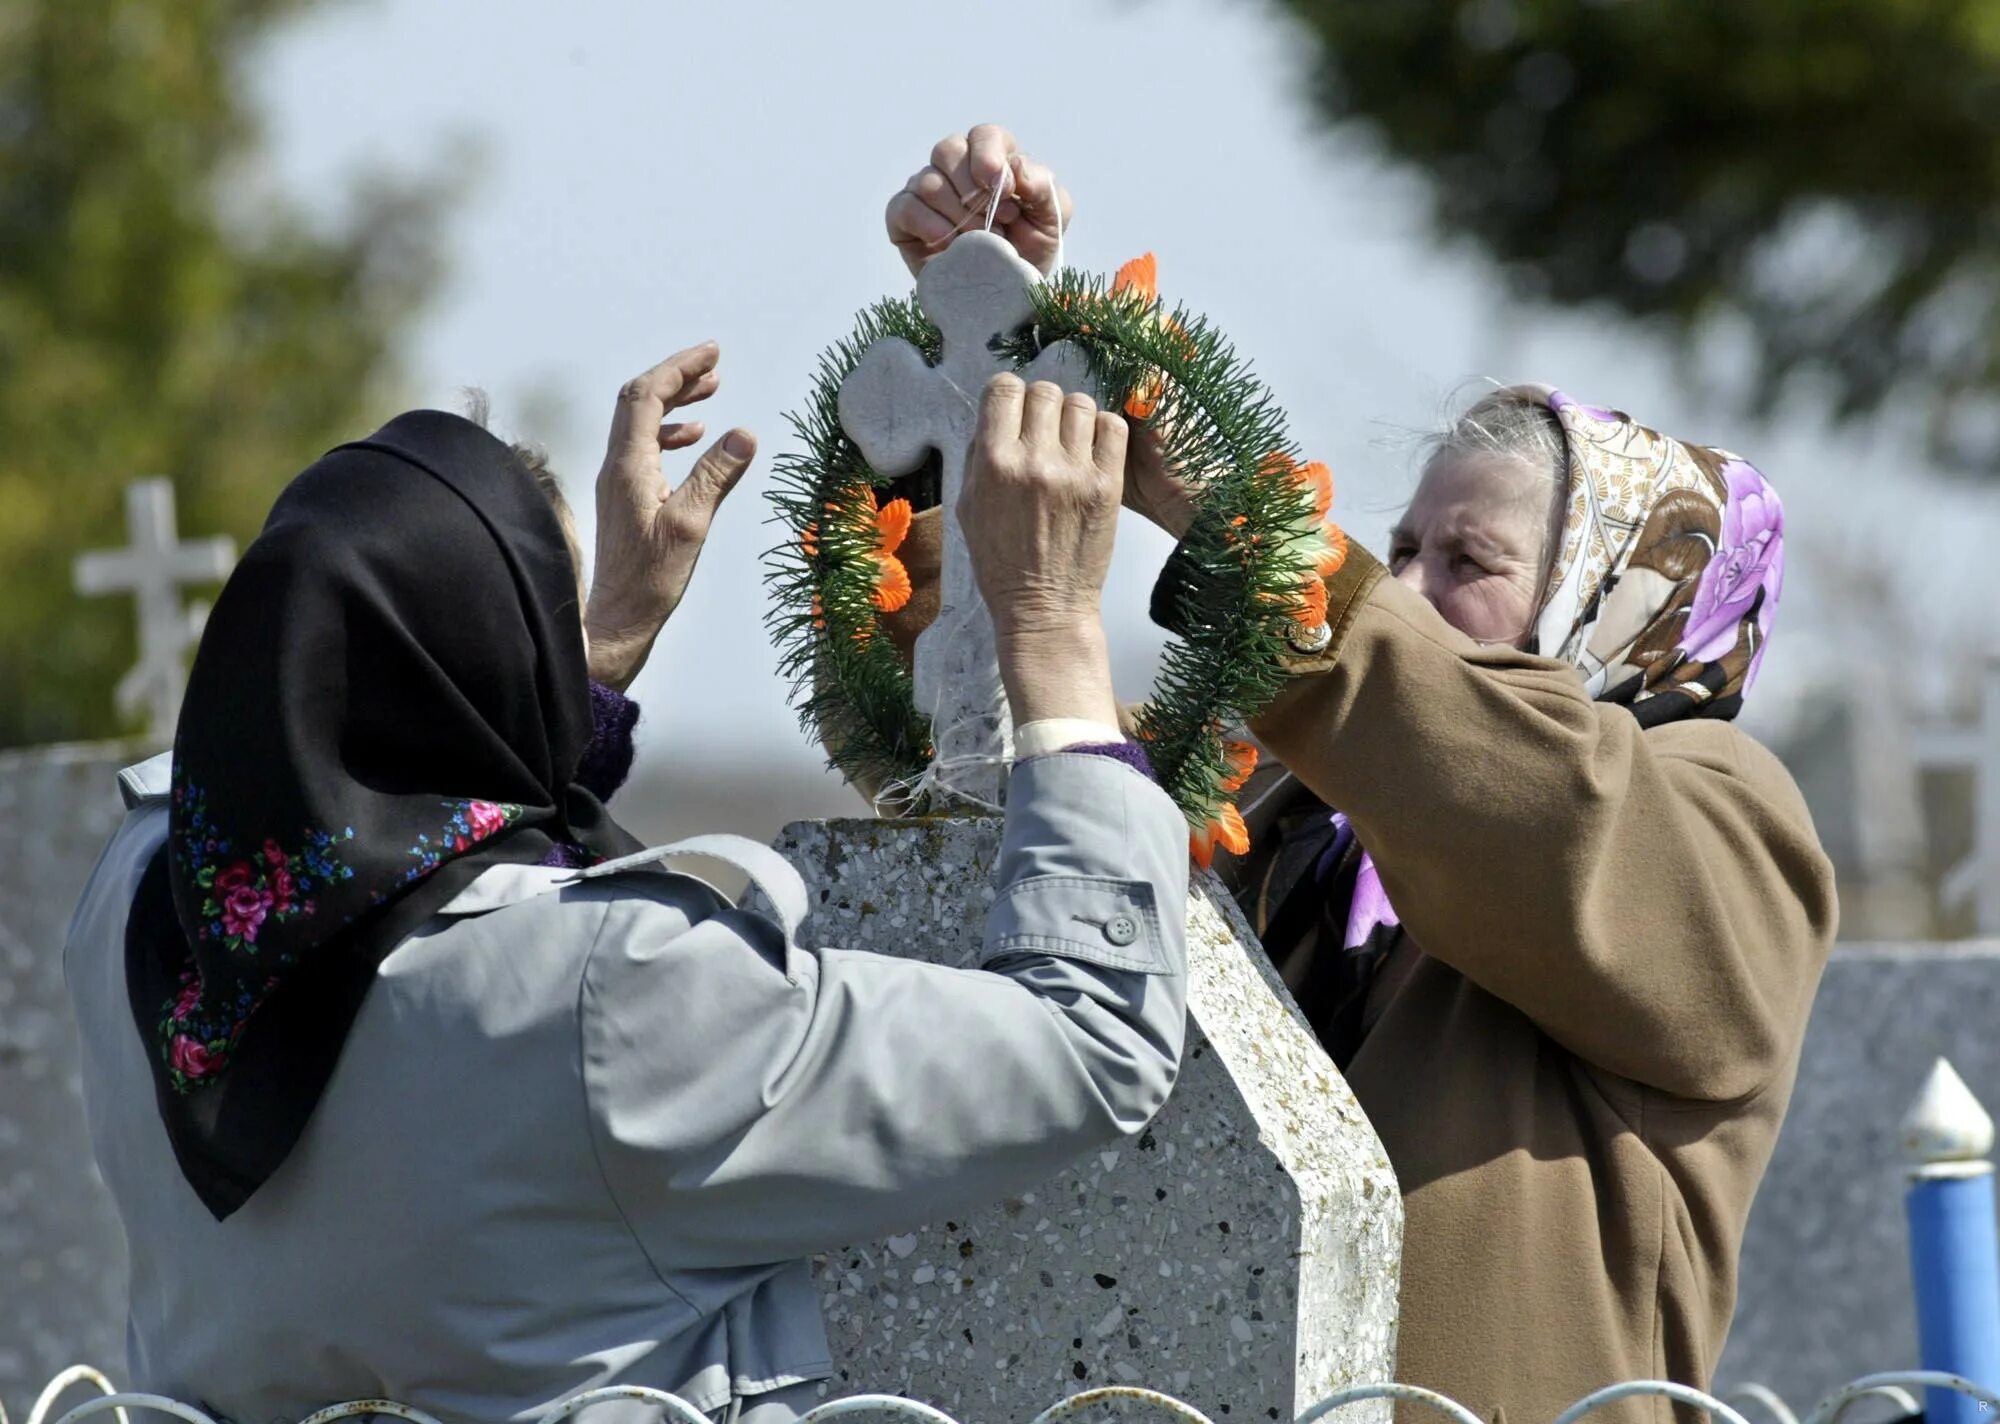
1564	935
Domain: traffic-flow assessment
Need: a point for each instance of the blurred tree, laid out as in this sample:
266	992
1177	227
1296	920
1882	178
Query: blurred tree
160	313
1819	176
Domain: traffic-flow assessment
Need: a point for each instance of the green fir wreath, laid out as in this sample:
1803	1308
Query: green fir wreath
1255	556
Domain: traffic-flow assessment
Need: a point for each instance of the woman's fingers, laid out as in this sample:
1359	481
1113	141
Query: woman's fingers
1109	436
989	156
952	157
978	178
720	469
644	401
1041	414
699	389
1044	213
934	191
1000	413
917	231
1079	421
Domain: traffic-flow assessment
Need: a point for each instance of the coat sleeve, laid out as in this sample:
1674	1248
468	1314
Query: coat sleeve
1657	901
752	1101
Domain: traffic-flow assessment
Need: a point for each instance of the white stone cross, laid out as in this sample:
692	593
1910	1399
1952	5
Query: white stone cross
1977	877
898	408
152	570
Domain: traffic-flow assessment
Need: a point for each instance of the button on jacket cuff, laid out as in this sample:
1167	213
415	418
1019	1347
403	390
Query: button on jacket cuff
1113	923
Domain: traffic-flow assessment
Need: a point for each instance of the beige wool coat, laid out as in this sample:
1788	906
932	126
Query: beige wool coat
1580	1052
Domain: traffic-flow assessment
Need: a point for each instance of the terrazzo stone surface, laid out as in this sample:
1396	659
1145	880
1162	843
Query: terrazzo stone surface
62	1255
1825	1286
1241	1252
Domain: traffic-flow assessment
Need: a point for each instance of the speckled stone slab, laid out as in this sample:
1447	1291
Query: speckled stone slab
1240	1253
1824	1289
62	1255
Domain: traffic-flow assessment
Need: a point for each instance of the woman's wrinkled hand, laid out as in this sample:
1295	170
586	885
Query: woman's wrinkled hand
952	193
649	535
1040	511
1153	491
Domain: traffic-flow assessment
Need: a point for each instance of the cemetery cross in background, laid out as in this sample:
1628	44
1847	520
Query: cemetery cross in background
897	408
152	570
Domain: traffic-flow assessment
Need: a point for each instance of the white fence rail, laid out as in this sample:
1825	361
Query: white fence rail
1895	1387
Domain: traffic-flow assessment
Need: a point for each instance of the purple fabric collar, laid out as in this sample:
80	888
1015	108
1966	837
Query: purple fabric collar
607	761
1368	908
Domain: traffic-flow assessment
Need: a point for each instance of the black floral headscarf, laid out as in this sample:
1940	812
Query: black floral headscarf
390	696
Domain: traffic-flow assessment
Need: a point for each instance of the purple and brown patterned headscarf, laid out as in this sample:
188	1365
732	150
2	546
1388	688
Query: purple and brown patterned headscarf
1667	576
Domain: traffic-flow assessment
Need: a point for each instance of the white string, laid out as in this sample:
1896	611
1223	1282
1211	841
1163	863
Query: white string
939	776
993	206
1055	201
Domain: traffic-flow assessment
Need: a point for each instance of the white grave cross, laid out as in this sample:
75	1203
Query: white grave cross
152	570
898	408
1977	877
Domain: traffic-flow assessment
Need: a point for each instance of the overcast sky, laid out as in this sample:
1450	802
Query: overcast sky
652	175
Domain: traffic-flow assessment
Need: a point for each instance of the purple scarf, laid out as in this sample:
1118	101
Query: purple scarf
1368	907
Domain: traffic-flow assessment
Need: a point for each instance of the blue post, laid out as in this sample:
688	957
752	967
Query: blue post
1954	1245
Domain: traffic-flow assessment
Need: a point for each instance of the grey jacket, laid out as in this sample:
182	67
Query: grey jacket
587	1127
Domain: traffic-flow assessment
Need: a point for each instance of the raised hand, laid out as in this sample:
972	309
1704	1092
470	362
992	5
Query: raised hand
1040	510
952	193
1151	488
649	535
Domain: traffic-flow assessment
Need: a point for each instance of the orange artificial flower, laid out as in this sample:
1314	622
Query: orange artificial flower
1334	556
1327	544
809	541
892	580
1311	612
1319	479
1226	829
1140	276
1145	397
1242	758
892	584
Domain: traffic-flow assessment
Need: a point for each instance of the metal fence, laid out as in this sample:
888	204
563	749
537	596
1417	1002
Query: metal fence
1894	1387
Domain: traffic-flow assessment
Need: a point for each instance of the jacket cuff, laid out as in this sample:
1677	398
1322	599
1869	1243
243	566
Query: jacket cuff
1114	924
1346	590
607	761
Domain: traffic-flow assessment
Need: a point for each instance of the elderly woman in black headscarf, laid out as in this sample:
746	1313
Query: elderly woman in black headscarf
409	1074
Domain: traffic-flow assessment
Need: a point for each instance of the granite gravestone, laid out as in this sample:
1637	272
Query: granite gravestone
1824	1289
62	1254
1242	1252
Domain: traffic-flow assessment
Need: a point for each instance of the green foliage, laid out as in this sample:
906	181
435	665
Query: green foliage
1216	418
158	315
851	688
1251	541
1823	175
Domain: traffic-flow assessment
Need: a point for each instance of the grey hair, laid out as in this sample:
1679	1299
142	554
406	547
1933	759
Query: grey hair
479	410
1505	425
